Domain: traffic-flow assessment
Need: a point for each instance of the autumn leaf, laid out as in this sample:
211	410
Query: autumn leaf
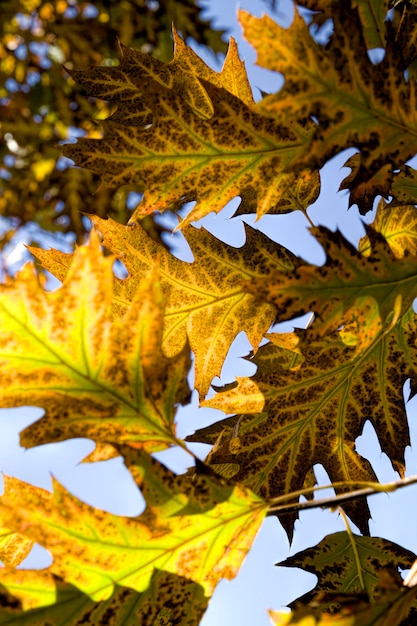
372	14
356	103
398	225
358	584
14	547
308	404
370	290
36	598
404	187
182	132
390	610
195	530
345	563
94	376
204	300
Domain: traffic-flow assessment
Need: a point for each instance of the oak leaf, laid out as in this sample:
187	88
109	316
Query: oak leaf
193	531
391	609
204	299
345	563
308	405
95	376
356	103
37	598
182	132
370	290
398	226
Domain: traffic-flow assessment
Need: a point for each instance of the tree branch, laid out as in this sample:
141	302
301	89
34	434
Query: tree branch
335	501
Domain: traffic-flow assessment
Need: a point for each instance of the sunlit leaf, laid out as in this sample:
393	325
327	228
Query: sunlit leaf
348	564
199	530
94	376
357	103
349	287
398	225
180	133
204	299
14	547
309	409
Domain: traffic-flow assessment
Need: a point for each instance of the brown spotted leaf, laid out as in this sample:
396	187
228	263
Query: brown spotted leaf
392	608
182	132
191	530
204	299
37	598
14	547
398	225
309	408
95	376
348	564
372	14
370	290
357	103
404	187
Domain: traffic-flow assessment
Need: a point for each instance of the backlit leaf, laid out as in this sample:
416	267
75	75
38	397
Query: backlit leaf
37	598
204	299
357	103
303	412
348	564
404	187
398	225
14	547
181	132
389	610
95	376
349	287
196	530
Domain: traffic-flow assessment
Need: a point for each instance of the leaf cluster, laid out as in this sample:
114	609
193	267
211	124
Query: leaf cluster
107	358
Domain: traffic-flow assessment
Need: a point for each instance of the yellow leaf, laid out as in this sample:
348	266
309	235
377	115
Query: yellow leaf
181	132
204	300
356	103
14	547
95	376
199	530
398	225
41	169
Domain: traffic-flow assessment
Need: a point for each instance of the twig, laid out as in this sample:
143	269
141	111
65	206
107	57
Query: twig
335	501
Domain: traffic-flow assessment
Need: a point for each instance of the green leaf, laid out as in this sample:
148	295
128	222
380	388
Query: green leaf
95	376
345	563
196	530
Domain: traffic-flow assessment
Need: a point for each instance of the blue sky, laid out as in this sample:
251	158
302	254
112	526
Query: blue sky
260	585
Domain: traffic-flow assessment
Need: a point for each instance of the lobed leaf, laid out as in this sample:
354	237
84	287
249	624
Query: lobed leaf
398	226
345	563
191	532
204	299
309	408
182	132
95	376
357	103
369	290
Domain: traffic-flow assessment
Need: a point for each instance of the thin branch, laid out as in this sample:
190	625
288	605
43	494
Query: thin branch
335	501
